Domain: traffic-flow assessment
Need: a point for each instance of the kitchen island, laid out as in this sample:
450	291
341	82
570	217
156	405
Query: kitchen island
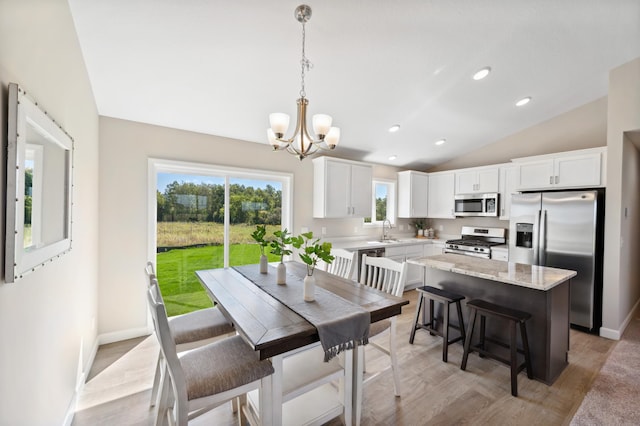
539	290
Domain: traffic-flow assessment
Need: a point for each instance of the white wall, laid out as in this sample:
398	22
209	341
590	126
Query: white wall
125	148
621	280
46	318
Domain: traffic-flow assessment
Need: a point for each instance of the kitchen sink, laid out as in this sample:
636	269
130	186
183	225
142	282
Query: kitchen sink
387	241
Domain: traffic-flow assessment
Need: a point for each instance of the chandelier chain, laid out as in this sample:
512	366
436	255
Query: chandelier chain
304	64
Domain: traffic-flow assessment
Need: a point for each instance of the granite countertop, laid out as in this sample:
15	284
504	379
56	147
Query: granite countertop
530	276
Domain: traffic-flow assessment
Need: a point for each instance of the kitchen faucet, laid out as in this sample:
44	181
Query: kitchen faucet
385	234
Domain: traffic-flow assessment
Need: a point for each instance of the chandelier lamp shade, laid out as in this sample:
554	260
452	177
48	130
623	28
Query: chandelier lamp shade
301	144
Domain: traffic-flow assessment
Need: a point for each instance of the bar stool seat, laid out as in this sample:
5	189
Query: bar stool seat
446	298
515	317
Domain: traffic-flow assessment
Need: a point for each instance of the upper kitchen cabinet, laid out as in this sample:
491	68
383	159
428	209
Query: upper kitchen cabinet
573	169
508	173
341	188
412	194
440	195
479	180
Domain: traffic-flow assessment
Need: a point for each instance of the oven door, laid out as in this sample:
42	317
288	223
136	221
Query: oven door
476	205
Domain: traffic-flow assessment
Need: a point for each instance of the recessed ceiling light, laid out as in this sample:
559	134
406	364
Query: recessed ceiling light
393	157
440	141
523	101
480	74
394	128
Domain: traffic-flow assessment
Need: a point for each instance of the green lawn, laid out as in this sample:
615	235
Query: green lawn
181	290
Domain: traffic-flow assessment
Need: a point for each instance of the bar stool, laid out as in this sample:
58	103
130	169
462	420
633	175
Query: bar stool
446	298
514	317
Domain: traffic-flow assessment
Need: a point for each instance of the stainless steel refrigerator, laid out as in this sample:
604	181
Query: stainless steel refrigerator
563	230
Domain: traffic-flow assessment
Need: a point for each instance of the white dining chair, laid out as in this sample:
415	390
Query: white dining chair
189	331
343	264
389	276
206	377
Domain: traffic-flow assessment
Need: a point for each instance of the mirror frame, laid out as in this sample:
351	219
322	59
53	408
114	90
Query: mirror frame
22	112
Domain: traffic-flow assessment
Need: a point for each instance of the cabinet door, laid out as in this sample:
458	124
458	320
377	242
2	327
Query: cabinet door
507	187
337	189
361	192
419	190
488	180
440	195
578	171
535	175
466	182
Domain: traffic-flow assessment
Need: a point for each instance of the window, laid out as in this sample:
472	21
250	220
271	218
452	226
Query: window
202	217
383	202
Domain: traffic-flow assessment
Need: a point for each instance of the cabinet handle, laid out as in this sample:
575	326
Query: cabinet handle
557	179
550	180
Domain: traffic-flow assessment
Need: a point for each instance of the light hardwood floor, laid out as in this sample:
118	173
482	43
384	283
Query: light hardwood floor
117	391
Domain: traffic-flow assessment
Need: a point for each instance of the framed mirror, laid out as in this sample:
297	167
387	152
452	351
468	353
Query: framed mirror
39	187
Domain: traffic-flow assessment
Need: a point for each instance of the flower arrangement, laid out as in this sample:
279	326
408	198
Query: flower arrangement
312	250
259	236
280	243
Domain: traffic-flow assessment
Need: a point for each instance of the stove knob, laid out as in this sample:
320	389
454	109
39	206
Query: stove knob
475	248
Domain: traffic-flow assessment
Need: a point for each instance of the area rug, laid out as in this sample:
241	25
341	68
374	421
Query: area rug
613	398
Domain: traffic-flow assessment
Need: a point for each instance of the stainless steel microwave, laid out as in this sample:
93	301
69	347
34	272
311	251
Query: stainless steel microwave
477	205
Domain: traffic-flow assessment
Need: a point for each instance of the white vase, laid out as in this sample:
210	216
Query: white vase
309	288
281	277
264	264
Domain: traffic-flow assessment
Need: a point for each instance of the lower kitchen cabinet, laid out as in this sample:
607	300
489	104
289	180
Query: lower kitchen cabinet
401	254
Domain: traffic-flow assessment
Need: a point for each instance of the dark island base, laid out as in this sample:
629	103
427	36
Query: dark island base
547	330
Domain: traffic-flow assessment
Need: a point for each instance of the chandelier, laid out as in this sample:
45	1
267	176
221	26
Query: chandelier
301	144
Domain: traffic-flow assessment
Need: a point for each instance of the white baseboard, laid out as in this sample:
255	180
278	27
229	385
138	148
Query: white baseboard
617	334
118	336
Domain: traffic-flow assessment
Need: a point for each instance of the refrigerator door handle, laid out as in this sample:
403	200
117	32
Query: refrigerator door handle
542	238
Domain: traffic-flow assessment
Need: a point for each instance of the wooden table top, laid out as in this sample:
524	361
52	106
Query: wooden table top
271	327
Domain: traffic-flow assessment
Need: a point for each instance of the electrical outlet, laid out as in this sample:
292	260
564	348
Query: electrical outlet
304	230
324	230
440	228
355	229
401	227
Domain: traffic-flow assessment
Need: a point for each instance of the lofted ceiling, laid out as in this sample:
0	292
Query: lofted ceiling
220	67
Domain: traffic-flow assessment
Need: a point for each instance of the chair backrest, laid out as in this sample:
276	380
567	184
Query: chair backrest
151	272
168	347
383	274
343	263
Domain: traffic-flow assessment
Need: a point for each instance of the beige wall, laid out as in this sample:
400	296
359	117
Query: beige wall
125	148
46	319
621	279
583	127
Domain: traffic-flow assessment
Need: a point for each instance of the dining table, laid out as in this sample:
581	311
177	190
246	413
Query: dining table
274	329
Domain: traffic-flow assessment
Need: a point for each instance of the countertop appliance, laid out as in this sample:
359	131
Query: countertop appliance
564	230
477	205
476	241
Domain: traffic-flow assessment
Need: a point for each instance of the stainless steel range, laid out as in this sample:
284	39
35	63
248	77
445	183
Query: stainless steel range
476	241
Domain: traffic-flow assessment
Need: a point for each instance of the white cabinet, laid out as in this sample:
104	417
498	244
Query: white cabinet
477	180
433	249
500	253
440	195
401	254
412	194
341	188
507	187
574	169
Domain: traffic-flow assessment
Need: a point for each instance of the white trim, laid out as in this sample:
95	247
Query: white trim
613	334
118	336
392	201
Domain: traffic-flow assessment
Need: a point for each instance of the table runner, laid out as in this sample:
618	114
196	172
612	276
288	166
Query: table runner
341	325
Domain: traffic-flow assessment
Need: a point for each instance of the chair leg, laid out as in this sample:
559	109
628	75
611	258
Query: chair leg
467	341
417	318
432	321
392	355
445	332
525	347
156	382
513	342
483	322
237	404
164	401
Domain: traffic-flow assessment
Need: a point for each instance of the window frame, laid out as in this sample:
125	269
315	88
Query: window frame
391	202
157	165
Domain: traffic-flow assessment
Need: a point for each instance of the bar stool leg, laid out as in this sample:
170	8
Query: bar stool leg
415	323
445	329
467	342
461	321
432	321
483	321
514	358
525	347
